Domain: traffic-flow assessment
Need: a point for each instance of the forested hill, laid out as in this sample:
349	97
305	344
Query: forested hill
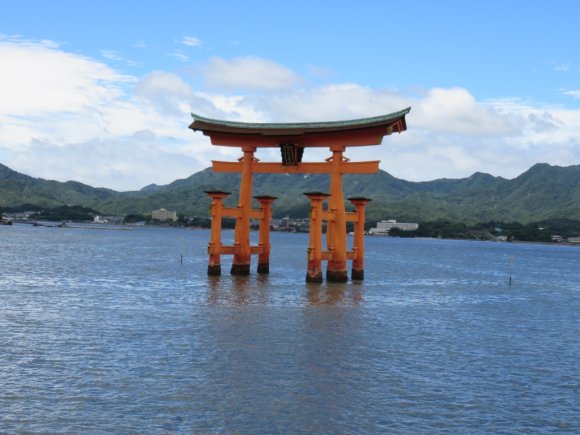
542	192
17	189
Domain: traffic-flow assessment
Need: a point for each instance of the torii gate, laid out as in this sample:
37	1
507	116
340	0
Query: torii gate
292	139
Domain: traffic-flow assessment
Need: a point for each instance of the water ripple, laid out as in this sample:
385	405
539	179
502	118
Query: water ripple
108	332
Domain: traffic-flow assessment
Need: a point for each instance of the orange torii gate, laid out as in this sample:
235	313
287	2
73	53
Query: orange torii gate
292	139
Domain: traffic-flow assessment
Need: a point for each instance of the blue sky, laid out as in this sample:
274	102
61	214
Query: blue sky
101	92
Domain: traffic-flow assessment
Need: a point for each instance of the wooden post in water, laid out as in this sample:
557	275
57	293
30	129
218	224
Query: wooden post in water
358	268
242	253
264	243
314	268
336	227
214	247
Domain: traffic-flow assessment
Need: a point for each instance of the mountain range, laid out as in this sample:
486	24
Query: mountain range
542	192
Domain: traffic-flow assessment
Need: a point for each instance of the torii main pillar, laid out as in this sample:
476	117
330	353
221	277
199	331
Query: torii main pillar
292	140
242	254
336	227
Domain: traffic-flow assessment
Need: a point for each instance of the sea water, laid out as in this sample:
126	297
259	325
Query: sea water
123	332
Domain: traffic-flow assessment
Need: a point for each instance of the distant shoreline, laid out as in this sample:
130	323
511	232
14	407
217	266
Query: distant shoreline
131	227
517	242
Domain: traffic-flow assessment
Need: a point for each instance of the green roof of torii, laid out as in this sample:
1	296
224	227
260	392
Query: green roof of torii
213	125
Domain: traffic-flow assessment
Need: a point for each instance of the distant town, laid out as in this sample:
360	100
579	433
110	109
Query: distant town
562	231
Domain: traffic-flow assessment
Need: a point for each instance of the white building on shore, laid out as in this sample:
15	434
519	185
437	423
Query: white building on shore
116	220
383	227
164	215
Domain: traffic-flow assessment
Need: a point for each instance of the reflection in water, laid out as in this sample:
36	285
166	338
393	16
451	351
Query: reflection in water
313	293
256	290
237	290
334	294
241	289
213	289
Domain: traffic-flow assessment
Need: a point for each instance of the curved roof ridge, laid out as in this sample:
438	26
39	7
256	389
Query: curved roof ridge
300	125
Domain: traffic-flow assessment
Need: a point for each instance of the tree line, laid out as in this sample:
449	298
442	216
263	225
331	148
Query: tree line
541	231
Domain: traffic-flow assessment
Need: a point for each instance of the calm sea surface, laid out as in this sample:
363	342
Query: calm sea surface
107	332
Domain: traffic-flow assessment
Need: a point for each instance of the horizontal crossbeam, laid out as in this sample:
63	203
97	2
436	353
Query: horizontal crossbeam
231	250
329	215
371	167
236	212
350	255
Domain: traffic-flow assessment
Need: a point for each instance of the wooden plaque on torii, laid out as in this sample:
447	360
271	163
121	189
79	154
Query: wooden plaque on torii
292	139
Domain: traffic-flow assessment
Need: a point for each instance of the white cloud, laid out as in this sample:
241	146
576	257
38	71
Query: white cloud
131	162
320	72
191	41
455	110
117	57
248	73
177	55
450	134
112	55
37	78
573	93
331	102
172	96
65	116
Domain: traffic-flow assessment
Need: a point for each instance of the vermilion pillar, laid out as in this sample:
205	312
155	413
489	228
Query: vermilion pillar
264	243
358	268
314	270
214	247
336	230
242	255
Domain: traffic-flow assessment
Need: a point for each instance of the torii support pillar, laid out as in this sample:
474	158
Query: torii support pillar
243	253
264	243
358	268
336	226
314	270
214	247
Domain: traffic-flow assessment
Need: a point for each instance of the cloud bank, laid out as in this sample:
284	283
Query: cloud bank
66	116
248	73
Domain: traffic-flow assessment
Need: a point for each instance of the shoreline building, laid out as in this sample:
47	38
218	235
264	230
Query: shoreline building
383	227
114	220
164	215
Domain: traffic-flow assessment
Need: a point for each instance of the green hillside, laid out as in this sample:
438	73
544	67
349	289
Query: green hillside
17	189
543	192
